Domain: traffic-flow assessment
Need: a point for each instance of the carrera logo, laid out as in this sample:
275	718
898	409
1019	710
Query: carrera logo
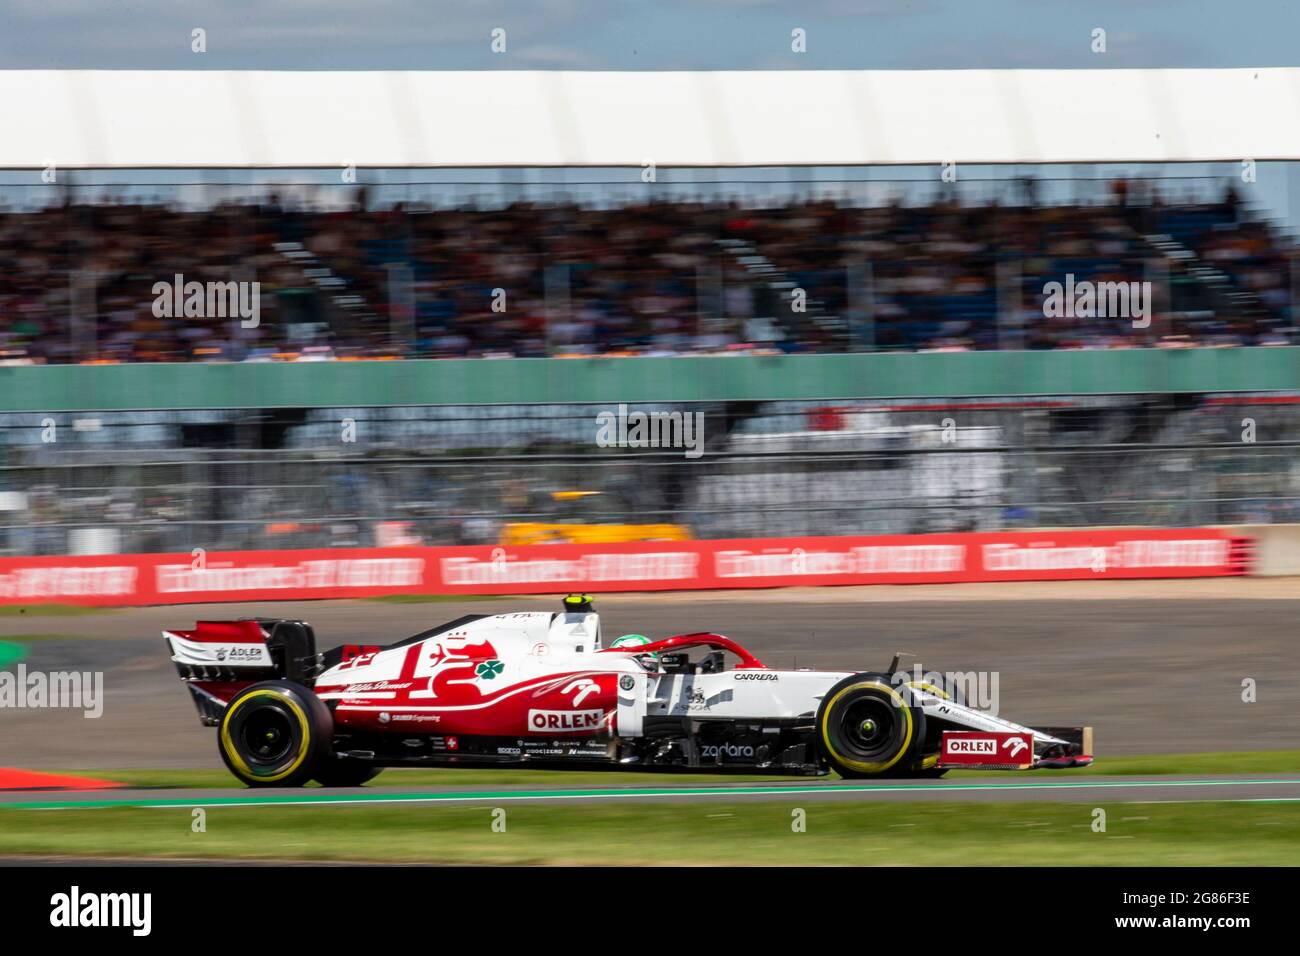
968	745
745	675
565	719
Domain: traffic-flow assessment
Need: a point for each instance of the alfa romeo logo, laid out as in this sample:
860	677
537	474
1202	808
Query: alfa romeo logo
626	682
488	670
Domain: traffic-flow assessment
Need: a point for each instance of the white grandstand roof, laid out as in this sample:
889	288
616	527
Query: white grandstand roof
160	119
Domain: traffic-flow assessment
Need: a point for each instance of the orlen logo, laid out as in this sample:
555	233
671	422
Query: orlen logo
976	745
565	719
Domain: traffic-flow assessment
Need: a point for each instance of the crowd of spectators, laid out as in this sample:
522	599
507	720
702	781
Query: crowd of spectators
77	281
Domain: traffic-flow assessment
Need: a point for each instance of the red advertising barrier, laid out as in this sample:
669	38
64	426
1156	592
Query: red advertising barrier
642	566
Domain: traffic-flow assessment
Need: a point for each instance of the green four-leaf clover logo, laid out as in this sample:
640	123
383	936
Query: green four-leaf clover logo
488	670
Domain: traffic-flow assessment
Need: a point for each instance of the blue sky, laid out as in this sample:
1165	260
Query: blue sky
642	35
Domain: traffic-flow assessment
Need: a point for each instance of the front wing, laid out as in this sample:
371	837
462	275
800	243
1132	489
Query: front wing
980	740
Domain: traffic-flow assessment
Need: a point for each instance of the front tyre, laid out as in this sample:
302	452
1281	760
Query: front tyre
275	734
868	728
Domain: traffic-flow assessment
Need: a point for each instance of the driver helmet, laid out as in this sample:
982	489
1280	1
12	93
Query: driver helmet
632	640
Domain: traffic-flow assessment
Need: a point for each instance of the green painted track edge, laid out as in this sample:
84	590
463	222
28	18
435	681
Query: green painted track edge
363	797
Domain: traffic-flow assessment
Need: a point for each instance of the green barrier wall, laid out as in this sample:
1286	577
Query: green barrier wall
742	378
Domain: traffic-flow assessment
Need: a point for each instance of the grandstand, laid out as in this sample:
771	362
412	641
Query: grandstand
795	247
662	278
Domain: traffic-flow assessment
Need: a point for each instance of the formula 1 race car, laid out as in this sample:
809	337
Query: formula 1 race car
540	689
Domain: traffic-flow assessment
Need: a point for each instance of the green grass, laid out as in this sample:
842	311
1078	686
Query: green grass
1223	762
1264	761
49	610
29	638
1187	834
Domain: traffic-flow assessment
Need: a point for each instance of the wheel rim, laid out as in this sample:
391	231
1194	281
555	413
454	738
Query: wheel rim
868	727
267	735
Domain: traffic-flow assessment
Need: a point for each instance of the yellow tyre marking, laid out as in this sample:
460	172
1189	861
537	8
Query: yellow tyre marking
860	765
228	745
937	691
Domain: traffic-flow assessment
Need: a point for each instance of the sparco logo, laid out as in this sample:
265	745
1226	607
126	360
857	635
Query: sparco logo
963	745
745	675
565	719
726	750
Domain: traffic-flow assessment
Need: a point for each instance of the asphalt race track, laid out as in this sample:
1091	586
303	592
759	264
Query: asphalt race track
1152	675
1016	789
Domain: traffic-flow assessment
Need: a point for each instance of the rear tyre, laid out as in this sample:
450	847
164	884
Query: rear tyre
342	772
868	728
275	734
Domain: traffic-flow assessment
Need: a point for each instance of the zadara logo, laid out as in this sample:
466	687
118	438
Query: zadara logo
726	750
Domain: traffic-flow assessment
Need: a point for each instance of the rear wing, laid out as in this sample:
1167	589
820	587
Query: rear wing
217	659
